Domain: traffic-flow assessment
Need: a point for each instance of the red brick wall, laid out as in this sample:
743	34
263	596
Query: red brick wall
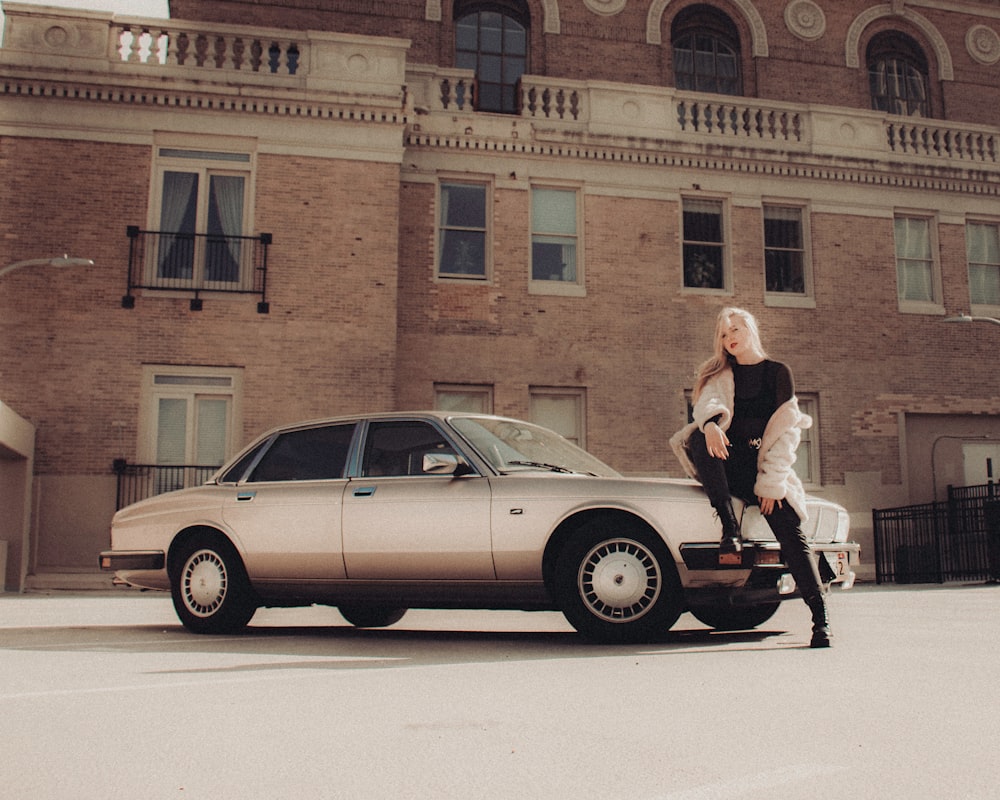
72	356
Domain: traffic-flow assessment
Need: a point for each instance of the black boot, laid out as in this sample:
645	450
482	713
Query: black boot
731	542
821	635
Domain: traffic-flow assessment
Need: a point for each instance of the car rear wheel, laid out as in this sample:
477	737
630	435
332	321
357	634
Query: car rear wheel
210	588
375	617
725	617
616	582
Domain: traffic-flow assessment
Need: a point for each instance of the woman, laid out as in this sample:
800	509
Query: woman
747	426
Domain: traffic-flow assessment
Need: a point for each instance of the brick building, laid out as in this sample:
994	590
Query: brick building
532	207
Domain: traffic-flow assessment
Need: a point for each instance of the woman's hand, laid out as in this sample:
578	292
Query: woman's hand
767	505
716	441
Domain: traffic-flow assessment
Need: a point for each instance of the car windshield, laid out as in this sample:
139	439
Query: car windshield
510	445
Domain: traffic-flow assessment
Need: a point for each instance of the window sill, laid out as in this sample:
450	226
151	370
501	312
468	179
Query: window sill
920	307
557	288
782	300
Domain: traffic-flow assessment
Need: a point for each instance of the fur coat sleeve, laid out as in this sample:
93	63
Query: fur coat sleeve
775	477
717	400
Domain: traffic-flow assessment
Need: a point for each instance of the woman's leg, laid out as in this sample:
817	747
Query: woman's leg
712	474
802	565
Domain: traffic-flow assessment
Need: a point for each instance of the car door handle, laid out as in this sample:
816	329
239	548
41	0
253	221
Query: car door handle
364	491
244	497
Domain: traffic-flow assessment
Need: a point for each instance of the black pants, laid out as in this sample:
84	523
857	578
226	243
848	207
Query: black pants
717	476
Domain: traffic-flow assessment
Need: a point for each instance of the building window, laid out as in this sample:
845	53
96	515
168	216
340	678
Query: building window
704	245
554	252
561	410
807	456
982	244
898	75
916	269
491	38
462	234
785	263
463	398
189	418
706	47
202	213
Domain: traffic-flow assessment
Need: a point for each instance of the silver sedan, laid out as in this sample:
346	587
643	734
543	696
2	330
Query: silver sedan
376	514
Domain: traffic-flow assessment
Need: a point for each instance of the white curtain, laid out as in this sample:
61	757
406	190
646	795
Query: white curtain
983	251
227	199
178	190
913	259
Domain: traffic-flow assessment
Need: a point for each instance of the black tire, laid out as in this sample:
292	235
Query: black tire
210	588
724	617
616	582
371	617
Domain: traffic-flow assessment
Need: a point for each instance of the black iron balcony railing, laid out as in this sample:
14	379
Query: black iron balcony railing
138	481
198	263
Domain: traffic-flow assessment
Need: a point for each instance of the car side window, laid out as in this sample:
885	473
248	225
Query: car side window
311	454
398	448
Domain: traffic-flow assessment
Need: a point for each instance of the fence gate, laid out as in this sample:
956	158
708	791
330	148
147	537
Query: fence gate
941	541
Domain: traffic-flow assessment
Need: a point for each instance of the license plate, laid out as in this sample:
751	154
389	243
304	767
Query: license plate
840	563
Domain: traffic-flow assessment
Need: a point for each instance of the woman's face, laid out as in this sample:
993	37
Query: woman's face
737	341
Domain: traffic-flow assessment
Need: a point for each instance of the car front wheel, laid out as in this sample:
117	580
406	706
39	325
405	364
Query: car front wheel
210	588
617	583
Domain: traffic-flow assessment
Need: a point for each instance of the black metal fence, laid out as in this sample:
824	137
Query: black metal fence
940	541
138	481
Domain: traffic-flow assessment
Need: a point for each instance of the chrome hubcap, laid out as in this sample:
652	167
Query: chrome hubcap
619	580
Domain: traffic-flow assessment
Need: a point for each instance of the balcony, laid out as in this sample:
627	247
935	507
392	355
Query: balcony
190	263
657	118
309	74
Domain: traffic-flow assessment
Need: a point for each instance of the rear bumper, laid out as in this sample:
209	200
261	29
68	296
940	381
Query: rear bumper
115	560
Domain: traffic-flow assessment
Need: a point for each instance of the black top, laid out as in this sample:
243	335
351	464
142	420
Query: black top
760	389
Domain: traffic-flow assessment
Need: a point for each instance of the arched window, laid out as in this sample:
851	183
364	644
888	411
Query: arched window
492	39
897	75
706	47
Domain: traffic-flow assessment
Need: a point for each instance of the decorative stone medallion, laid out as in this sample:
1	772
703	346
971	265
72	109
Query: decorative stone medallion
805	19
983	44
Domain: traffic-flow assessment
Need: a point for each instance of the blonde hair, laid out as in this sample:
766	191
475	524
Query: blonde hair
721	360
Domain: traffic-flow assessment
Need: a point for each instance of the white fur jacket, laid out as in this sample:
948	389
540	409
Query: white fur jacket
775	476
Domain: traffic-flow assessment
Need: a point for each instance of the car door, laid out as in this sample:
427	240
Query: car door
287	514
404	522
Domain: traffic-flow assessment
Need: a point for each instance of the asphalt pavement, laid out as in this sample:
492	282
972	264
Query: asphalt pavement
105	695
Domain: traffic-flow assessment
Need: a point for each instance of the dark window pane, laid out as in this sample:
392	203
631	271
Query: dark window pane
463	206
307	455
783	271
463	253
702	225
703	267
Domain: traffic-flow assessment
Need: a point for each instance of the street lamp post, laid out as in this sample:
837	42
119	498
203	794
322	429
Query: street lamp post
60	261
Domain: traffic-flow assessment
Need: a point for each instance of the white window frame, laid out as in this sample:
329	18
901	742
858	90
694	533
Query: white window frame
571	288
807	460
979	308
458	397
188	383
576	397
439	228
933	261
725	245
206	156
806	298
